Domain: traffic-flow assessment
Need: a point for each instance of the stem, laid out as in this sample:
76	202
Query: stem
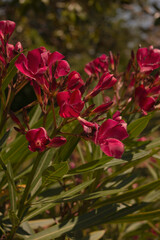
7	173
13	231
5	112
10	180
45	116
28	186
70	134
54	115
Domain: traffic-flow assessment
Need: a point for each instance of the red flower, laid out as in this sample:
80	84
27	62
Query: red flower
39	140
106	81
34	65
98	65
148	59
57	142
143	99
70	103
109	137
74	81
6	29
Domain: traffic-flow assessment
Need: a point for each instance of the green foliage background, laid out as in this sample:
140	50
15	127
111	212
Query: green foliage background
84	29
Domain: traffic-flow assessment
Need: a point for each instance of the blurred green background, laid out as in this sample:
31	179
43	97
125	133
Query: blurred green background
84	29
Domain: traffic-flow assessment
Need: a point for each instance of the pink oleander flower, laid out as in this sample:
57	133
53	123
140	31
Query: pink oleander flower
39	140
34	65
97	66
74	81
106	81
109	137
148	59
144	99
6	29
70	103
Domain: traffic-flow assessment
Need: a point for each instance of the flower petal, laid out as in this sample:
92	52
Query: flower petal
57	142
112	147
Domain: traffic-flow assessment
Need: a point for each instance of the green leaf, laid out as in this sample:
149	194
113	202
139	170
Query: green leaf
140	217
66	150
96	235
74	224
90	166
11	72
13	217
135	159
137	126
41	223
132	194
93	218
54	172
12	189
4	138
53	200
43	164
90	196
128	158
34	115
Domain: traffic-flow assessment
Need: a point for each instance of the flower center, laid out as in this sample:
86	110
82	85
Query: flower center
38	143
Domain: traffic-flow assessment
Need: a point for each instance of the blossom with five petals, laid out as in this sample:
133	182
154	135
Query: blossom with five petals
39	140
109	137
148	59
70	103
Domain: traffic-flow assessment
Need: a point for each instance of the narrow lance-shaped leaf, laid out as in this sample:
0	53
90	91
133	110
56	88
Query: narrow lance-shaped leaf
4	138
93	218
12	190
132	194
11	72
53	200
137	126
65	151
144	216
54	172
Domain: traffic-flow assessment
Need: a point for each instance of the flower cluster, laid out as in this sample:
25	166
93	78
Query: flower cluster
49	74
56	86
147	86
8	51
